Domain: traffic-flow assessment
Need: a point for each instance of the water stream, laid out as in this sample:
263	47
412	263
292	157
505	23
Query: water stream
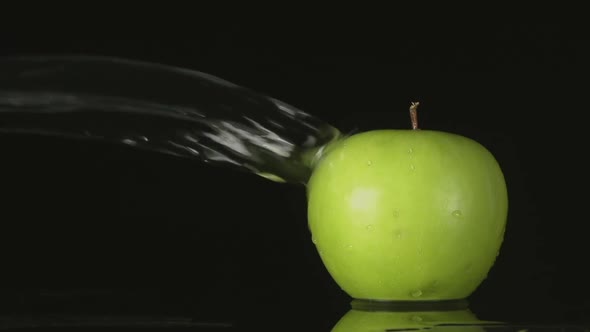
160	108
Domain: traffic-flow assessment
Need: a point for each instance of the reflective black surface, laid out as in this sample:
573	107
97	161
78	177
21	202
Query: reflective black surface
105	232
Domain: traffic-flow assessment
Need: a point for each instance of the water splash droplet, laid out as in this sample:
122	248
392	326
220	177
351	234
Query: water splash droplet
457	213
412	167
272	177
129	141
369	227
416	293
369	163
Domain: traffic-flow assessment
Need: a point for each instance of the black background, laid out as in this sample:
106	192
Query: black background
90	227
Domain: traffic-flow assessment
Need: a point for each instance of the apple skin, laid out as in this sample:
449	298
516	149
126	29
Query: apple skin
407	215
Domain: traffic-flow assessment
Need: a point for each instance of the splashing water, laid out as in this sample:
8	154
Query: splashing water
163	109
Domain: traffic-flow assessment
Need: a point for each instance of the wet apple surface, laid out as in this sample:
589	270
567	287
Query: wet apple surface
408	214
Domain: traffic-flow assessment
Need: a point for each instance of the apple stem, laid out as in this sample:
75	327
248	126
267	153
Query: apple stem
414	115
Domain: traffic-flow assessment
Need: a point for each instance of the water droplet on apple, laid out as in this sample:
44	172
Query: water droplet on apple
416	293
457	213
412	167
369	163
468	268
313	240
416	318
369	227
349	246
395	213
410	150
398	233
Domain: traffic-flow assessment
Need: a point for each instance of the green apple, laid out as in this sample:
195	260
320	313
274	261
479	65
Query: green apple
407	214
360	320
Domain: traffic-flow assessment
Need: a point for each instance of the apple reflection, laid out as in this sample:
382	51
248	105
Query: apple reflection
373	316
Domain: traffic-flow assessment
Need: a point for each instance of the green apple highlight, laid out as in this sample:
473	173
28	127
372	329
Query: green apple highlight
407	214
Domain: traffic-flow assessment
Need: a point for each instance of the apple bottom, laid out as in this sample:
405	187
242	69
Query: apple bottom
423	259
411	271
